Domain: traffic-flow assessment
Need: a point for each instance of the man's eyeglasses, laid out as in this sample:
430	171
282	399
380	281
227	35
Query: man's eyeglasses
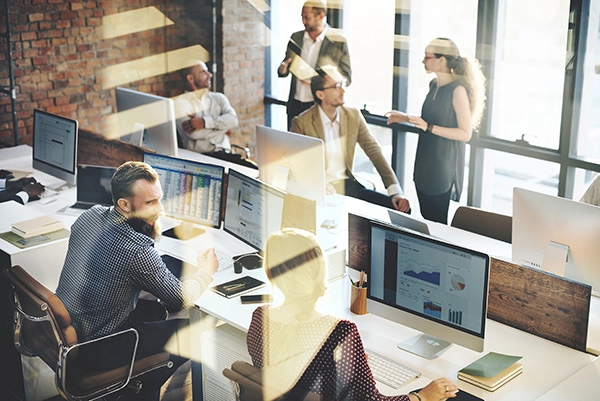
338	85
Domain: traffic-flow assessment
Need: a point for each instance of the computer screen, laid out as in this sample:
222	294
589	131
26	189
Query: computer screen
438	288
151	114
192	190
55	145
291	162
562	231
253	209
93	184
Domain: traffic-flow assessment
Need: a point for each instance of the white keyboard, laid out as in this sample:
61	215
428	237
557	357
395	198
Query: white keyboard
188	254
390	373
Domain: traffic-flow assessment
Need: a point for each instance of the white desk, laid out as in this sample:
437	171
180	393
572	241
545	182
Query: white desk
581	386
545	363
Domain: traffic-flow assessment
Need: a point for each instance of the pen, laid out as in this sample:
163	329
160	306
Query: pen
351	281
232	287
362	279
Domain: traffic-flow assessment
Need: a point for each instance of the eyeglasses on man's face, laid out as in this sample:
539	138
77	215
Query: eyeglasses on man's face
338	85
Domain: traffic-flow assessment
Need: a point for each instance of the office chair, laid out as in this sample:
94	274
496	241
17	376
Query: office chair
483	222
246	383
42	327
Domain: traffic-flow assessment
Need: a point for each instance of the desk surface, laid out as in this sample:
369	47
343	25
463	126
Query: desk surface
544	363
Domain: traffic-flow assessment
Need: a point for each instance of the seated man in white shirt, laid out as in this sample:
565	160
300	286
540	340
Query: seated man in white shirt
341	128
204	118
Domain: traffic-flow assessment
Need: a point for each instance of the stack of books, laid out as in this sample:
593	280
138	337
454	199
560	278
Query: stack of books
491	371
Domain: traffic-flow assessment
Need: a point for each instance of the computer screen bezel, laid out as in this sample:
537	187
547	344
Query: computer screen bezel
186	218
263	187
158	135
422	322
303	155
539	218
67	173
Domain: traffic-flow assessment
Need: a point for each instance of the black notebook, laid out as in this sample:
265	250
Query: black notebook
238	286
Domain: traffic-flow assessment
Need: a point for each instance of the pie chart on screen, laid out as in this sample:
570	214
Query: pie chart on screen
458	282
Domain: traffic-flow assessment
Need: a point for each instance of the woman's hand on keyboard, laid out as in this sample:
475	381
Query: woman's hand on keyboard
438	390
207	261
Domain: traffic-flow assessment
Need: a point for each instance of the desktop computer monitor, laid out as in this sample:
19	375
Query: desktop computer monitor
55	145
557	235
435	287
291	162
147	120
253	209
192	192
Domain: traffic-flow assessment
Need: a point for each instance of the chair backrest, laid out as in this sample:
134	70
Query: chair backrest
483	222
43	324
250	388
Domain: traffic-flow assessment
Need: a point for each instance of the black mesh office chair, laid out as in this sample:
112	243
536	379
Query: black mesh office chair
42	327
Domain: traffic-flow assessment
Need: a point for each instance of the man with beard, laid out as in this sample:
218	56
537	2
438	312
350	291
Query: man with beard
204	118
110	259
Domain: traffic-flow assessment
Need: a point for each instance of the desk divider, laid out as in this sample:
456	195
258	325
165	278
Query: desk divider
531	300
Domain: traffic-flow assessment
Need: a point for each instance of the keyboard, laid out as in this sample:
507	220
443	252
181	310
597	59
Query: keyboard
390	373
81	205
188	254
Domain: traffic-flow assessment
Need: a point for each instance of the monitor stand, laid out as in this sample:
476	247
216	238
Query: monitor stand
426	346
184	231
555	258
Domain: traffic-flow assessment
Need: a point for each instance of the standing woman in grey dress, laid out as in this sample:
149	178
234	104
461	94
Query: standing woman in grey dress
451	111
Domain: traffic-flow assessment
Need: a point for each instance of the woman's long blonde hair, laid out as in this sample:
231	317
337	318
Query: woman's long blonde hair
468	71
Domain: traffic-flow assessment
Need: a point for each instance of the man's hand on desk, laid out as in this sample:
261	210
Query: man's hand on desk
207	261
400	204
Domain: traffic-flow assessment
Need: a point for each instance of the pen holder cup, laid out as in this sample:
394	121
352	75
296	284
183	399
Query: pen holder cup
358	300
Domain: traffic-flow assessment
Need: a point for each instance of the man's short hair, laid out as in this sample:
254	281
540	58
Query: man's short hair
317	6
316	84
126	175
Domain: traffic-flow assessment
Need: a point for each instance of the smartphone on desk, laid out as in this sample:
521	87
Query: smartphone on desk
256	299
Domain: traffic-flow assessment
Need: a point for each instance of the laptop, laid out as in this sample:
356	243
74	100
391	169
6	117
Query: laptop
93	188
404	220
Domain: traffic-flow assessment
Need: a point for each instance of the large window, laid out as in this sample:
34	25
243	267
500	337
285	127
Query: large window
542	62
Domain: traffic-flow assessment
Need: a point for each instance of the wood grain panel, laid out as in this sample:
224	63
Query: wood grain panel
539	303
96	150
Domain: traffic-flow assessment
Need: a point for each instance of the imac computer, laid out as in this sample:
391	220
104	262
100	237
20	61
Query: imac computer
147	120
253	209
191	193
557	235
435	287
55	145
291	162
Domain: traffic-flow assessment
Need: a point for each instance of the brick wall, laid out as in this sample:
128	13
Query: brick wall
67	59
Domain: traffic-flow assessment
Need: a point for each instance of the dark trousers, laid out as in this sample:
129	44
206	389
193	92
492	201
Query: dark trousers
148	319
435	207
295	108
355	189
